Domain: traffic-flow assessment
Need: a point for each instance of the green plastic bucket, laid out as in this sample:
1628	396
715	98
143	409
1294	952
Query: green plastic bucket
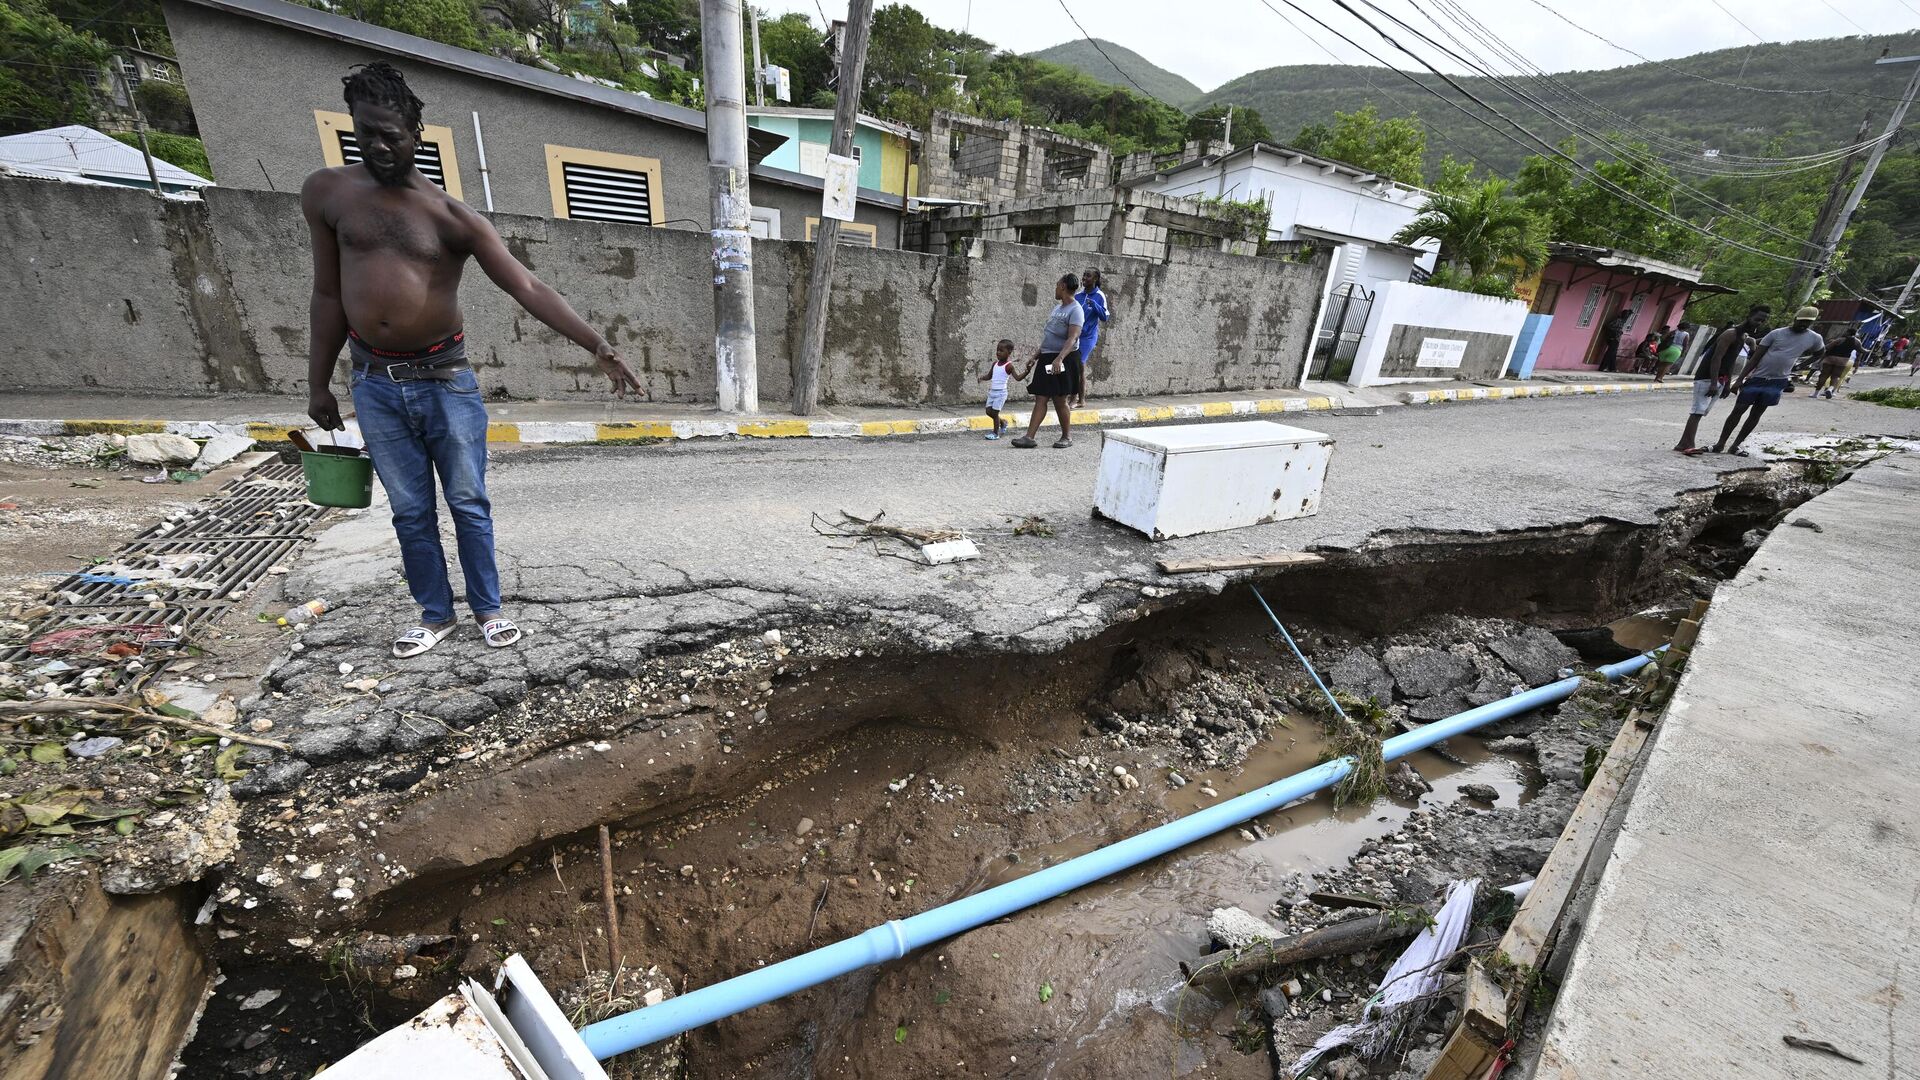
338	480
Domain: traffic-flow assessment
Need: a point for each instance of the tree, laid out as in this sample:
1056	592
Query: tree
1210	123
165	106
908	75
1482	231
1393	147
669	25
1580	209
1456	177
794	43
450	22
43	66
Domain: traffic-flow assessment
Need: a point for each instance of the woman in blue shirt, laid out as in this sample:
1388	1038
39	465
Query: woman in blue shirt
1094	303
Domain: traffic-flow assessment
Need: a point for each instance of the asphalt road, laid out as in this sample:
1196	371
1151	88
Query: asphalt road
612	553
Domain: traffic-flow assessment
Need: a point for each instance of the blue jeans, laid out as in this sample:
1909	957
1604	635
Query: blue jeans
415	430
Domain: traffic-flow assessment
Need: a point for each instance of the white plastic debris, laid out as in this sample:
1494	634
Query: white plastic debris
1409	987
949	551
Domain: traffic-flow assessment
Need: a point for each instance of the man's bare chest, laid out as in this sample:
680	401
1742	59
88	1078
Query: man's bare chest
371	229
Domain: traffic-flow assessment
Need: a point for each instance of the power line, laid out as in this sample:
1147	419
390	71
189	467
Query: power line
1644	58
1743	26
1730	165
1843	15
1631	153
1579	167
1109	59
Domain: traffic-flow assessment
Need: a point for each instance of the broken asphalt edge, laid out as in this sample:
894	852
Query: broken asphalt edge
580	431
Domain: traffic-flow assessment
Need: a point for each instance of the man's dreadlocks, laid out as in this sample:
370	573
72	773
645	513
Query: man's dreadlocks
380	83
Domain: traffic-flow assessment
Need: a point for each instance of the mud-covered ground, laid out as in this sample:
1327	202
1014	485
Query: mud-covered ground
896	816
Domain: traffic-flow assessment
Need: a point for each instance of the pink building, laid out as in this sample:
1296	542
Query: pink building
1581	288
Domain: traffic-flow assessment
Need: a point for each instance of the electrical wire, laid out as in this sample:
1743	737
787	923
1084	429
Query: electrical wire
1633	155
1577	166
1677	69
1725	165
1103	53
1743	26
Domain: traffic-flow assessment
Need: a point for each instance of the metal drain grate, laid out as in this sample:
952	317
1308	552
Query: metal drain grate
185	573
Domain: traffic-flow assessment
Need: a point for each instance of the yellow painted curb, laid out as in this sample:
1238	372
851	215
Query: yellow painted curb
114	427
630	430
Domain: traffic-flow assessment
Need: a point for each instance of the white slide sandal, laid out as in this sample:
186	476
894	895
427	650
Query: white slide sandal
500	632
419	640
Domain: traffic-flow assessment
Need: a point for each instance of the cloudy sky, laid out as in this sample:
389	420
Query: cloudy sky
1212	41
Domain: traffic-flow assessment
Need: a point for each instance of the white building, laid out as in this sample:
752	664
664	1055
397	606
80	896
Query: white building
1315	198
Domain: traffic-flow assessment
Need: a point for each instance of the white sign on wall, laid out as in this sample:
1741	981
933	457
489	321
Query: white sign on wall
842	185
1442	352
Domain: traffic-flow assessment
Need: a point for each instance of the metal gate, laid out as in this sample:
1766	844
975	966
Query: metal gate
1340	331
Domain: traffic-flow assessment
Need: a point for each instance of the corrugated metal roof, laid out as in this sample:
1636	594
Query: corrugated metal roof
80	153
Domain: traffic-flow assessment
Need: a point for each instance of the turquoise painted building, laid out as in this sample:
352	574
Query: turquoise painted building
887	159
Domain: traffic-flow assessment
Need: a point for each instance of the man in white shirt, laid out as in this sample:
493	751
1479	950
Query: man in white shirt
1768	373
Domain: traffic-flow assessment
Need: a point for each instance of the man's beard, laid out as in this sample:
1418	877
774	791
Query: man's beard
396	175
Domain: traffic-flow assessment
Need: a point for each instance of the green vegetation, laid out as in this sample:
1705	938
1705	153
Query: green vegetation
182	150
1211	123
1117	65
1654	96
1900	397
1486	236
42	65
1394	148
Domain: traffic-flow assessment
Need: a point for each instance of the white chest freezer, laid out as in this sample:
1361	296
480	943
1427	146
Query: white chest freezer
1199	478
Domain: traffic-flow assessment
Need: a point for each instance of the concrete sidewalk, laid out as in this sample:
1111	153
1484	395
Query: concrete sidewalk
269	417
1766	882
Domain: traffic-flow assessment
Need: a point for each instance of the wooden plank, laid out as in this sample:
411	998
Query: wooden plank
1471	1050
1240	562
1488	1014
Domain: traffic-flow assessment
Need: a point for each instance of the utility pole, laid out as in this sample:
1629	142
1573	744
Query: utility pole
140	126
759	62
735	360
846	109
1823	221
1831	244
1900	305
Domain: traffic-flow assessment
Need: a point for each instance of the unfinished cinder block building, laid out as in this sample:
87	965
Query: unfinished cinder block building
977	160
1107	221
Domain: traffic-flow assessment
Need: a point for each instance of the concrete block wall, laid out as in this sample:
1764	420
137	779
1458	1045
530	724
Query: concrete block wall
110	288
1404	317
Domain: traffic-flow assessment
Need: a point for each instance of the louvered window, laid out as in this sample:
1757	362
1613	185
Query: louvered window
593	185
426	158
599	193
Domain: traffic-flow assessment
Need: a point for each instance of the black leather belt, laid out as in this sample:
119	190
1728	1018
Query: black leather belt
404	371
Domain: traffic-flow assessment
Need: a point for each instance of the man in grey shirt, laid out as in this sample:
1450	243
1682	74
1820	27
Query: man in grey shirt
1768	372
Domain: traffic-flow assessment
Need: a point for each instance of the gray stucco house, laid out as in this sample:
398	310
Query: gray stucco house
264	77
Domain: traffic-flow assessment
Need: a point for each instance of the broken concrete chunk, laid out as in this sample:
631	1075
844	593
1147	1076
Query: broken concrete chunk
1534	655
219	450
1485	793
1358	672
1438	707
1235	928
161	448
1422	672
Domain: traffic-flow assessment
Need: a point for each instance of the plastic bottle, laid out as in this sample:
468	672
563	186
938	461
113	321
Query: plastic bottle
305	613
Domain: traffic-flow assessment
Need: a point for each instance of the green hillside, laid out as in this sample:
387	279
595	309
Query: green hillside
1652	96
1082	56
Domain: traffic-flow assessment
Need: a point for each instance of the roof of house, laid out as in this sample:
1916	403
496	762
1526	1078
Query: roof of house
901	130
422	50
1644	265
82	155
1295	156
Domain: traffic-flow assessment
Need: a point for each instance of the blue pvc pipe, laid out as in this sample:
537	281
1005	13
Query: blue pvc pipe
896	938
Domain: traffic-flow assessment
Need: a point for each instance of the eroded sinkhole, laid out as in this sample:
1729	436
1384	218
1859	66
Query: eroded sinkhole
846	790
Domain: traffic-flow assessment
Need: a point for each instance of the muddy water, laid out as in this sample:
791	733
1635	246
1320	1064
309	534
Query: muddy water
1161	908
1646	630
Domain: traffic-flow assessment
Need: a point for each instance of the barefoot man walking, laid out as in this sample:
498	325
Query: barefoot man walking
388	250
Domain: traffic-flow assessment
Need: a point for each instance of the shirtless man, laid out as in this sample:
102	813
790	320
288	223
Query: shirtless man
388	250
